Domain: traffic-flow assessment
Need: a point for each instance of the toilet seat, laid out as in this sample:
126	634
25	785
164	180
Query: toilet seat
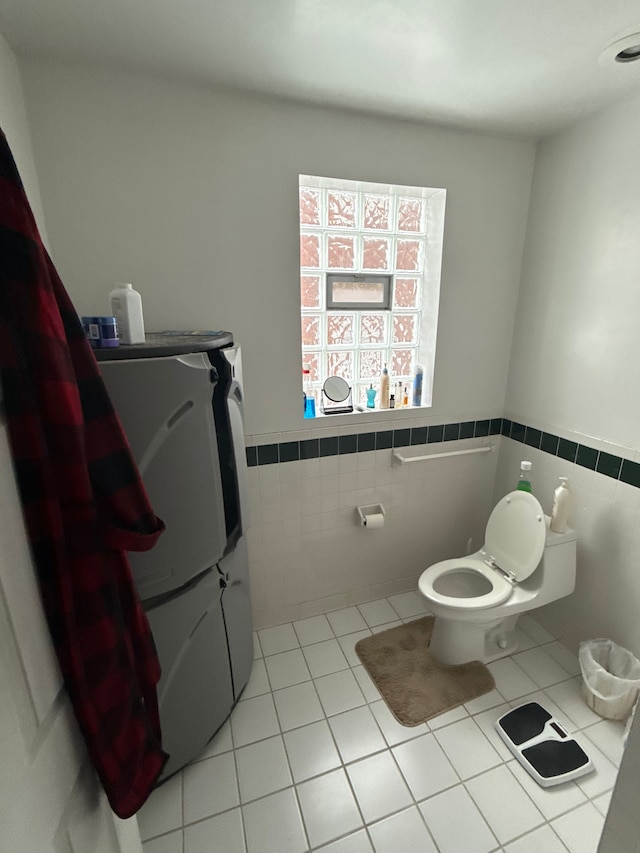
501	588
514	543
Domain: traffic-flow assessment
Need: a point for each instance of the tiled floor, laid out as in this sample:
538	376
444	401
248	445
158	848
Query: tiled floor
312	760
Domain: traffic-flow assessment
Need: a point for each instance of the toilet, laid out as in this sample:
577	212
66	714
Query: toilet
476	600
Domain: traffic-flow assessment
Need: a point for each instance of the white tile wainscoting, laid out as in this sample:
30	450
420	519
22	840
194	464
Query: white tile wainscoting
312	760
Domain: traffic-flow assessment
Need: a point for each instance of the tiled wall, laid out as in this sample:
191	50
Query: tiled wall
309	555
604	479
308	552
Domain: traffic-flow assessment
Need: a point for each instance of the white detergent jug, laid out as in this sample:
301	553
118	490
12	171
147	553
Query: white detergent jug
126	306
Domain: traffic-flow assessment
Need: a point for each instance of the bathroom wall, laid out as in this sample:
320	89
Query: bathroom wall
575	364
191	194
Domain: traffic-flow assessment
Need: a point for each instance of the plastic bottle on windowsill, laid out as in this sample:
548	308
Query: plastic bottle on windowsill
308	394
524	483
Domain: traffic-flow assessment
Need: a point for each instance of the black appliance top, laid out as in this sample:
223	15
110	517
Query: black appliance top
166	343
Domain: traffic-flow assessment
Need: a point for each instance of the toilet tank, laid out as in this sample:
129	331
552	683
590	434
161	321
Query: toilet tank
555	577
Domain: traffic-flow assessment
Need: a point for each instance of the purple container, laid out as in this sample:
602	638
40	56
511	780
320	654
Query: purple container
92	330
108	332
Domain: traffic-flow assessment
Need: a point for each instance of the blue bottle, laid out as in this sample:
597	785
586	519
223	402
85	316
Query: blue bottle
371	396
308	394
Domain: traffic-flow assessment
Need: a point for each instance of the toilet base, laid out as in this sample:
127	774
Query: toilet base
454	642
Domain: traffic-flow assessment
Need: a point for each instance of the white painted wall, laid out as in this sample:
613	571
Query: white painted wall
50	799
191	194
575	361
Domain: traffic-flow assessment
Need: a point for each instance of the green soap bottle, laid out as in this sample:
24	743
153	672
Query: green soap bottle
524	483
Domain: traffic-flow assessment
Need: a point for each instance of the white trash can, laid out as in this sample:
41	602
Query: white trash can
610	678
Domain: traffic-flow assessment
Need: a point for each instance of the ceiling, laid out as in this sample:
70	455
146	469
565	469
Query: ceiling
523	67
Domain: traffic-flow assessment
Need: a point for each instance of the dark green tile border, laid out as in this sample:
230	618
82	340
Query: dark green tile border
607	464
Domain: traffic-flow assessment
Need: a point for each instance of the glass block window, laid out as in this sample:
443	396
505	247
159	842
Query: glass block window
383	238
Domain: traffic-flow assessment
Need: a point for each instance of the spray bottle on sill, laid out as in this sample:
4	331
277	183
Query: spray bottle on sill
560	512
524	483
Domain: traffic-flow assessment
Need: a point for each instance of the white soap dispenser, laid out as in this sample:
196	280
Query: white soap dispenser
560	512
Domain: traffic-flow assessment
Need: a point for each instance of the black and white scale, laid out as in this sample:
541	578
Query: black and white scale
542	745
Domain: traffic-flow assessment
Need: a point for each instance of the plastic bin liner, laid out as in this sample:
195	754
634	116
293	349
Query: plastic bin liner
611	678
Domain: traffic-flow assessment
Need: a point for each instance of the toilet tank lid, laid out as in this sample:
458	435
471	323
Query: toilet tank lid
516	534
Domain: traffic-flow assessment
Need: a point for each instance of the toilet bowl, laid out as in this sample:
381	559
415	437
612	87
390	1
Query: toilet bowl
476	600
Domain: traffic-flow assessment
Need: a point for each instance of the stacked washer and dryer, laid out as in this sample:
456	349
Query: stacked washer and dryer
180	400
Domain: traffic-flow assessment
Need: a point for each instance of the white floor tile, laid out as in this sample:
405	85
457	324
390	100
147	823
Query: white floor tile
568	697
492	699
452	716
467	748
311	751
210	787
607	736
603	778
357	734
456	824
346	621
511	681
339	692
602	803
280	638
286	669
298	706
223	832
254	720
163	810
171	843
348	645
315	629
258	682
504	803
580	830
402	833
393	731
377	612
262	769
371	692
541	667
564	657
221	742
542	840
487	723
425	766
328	807
552	801
356	843
379	786
274	823
408	604
325	658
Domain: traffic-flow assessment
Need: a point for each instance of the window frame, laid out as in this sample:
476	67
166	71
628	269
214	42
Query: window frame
334	305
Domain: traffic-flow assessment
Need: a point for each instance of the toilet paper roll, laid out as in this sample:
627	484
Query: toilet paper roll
374	521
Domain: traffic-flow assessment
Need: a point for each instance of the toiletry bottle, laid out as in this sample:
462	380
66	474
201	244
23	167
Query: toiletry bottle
371	396
308	394
560	512
126	305
417	385
397	393
524	483
405	397
392	401
384	389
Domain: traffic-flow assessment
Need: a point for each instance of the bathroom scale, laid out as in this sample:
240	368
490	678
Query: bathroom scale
542	745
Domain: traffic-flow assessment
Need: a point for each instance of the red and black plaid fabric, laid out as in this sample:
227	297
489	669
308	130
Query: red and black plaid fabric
84	507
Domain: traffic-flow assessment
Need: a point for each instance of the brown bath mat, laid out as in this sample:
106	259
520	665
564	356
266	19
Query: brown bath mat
414	686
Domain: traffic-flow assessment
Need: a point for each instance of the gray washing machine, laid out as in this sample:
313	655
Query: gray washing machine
179	397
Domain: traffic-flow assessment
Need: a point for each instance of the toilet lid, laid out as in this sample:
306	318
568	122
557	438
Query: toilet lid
516	534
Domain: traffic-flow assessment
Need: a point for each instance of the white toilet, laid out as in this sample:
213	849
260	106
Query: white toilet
477	599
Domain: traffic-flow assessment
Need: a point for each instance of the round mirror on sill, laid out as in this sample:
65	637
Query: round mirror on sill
336	388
